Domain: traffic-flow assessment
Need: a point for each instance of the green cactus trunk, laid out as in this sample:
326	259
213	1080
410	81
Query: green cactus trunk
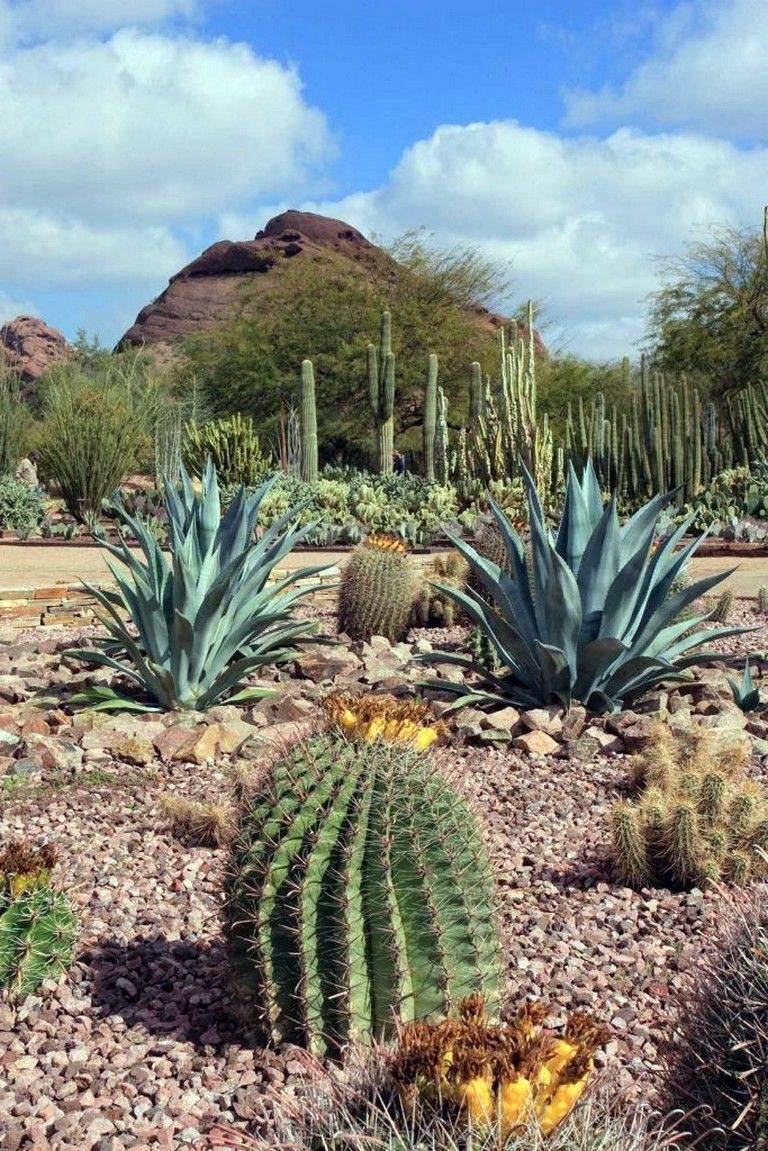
429	427
381	392
359	895
309	459
37	932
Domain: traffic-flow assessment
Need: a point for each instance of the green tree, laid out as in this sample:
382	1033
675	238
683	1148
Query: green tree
709	318
328	311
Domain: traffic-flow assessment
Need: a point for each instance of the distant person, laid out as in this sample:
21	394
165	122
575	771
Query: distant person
398	463
26	472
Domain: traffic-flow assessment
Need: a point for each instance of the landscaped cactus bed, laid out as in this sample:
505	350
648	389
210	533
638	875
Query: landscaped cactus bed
139	1044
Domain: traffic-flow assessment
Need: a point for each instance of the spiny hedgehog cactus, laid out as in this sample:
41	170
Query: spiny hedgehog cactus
762	598
359	894
432	607
37	926
377	590
498	1074
383	717
696	820
717	1066
723	608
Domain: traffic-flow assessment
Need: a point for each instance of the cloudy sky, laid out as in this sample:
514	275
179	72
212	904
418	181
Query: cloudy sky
579	147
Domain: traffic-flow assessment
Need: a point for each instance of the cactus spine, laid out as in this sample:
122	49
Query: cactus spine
37	925
381	392
359	894
429	427
377	590
309	460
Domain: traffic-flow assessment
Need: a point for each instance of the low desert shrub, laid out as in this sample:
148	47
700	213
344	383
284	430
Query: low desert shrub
695	820
717	1067
21	507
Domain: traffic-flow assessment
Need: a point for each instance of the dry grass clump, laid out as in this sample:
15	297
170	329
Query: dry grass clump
198	823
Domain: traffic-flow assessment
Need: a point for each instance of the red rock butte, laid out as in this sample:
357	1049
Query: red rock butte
29	346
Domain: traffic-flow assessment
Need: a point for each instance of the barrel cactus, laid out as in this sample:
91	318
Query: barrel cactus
359	895
377	590
37	925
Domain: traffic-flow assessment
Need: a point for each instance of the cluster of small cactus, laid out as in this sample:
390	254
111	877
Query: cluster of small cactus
432	607
231	444
359	896
717	1066
723	608
498	1075
37	925
377	590
383	717
695	819
762	598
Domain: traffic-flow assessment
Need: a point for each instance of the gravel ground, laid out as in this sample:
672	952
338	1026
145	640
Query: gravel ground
138	1046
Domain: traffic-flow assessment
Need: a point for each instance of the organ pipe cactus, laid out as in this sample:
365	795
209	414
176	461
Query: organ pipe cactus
359	895
309	460
207	615
381	393
37	925
590	616
429	428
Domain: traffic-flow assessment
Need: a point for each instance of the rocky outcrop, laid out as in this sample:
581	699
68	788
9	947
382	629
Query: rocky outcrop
30	346
204	293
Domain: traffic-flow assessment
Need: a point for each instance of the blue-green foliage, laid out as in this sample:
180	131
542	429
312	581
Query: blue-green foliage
590	614
206	616
745	693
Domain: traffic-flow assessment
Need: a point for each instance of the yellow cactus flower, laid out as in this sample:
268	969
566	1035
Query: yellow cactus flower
374	717
476	1096
515	1099
563	1101
563	1052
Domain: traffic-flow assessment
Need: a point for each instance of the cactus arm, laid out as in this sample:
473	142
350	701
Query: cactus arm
309	457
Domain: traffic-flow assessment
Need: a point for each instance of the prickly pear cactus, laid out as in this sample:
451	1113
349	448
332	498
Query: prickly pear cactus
377	590
359	893
37	925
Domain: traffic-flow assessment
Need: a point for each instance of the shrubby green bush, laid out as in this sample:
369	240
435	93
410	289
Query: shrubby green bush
21	507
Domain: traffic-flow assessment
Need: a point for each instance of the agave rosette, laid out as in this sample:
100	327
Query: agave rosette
206	616
586	615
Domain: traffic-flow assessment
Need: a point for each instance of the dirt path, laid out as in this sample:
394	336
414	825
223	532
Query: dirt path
24	567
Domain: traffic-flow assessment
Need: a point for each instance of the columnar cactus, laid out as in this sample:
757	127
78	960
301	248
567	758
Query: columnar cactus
377	590
37	925
381	392
359	895
762	598
441	439
233	447
429	427
309	463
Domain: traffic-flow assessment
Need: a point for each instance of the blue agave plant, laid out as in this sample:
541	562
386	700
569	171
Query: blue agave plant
207	616
746	694
587	615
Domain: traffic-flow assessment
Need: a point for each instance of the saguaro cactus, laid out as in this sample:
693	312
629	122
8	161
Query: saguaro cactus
441	438
360	893
429	426
308	423
381	390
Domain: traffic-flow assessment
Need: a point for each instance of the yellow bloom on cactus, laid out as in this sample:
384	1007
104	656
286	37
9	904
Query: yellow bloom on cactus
373	717
476	1096
551	1114
563	1052
515	1099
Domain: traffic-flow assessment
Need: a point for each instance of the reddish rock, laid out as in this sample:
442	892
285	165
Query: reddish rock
30	346
537	743
207	291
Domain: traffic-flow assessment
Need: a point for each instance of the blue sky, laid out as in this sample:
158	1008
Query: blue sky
577	142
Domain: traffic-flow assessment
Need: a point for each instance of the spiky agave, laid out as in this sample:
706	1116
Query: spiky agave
207	616
590	614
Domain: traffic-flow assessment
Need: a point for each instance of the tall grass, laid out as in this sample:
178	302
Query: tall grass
97	429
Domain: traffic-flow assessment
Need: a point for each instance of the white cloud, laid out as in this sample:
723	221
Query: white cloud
11	307
580	220
709	71
25	20
152	127
39	249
